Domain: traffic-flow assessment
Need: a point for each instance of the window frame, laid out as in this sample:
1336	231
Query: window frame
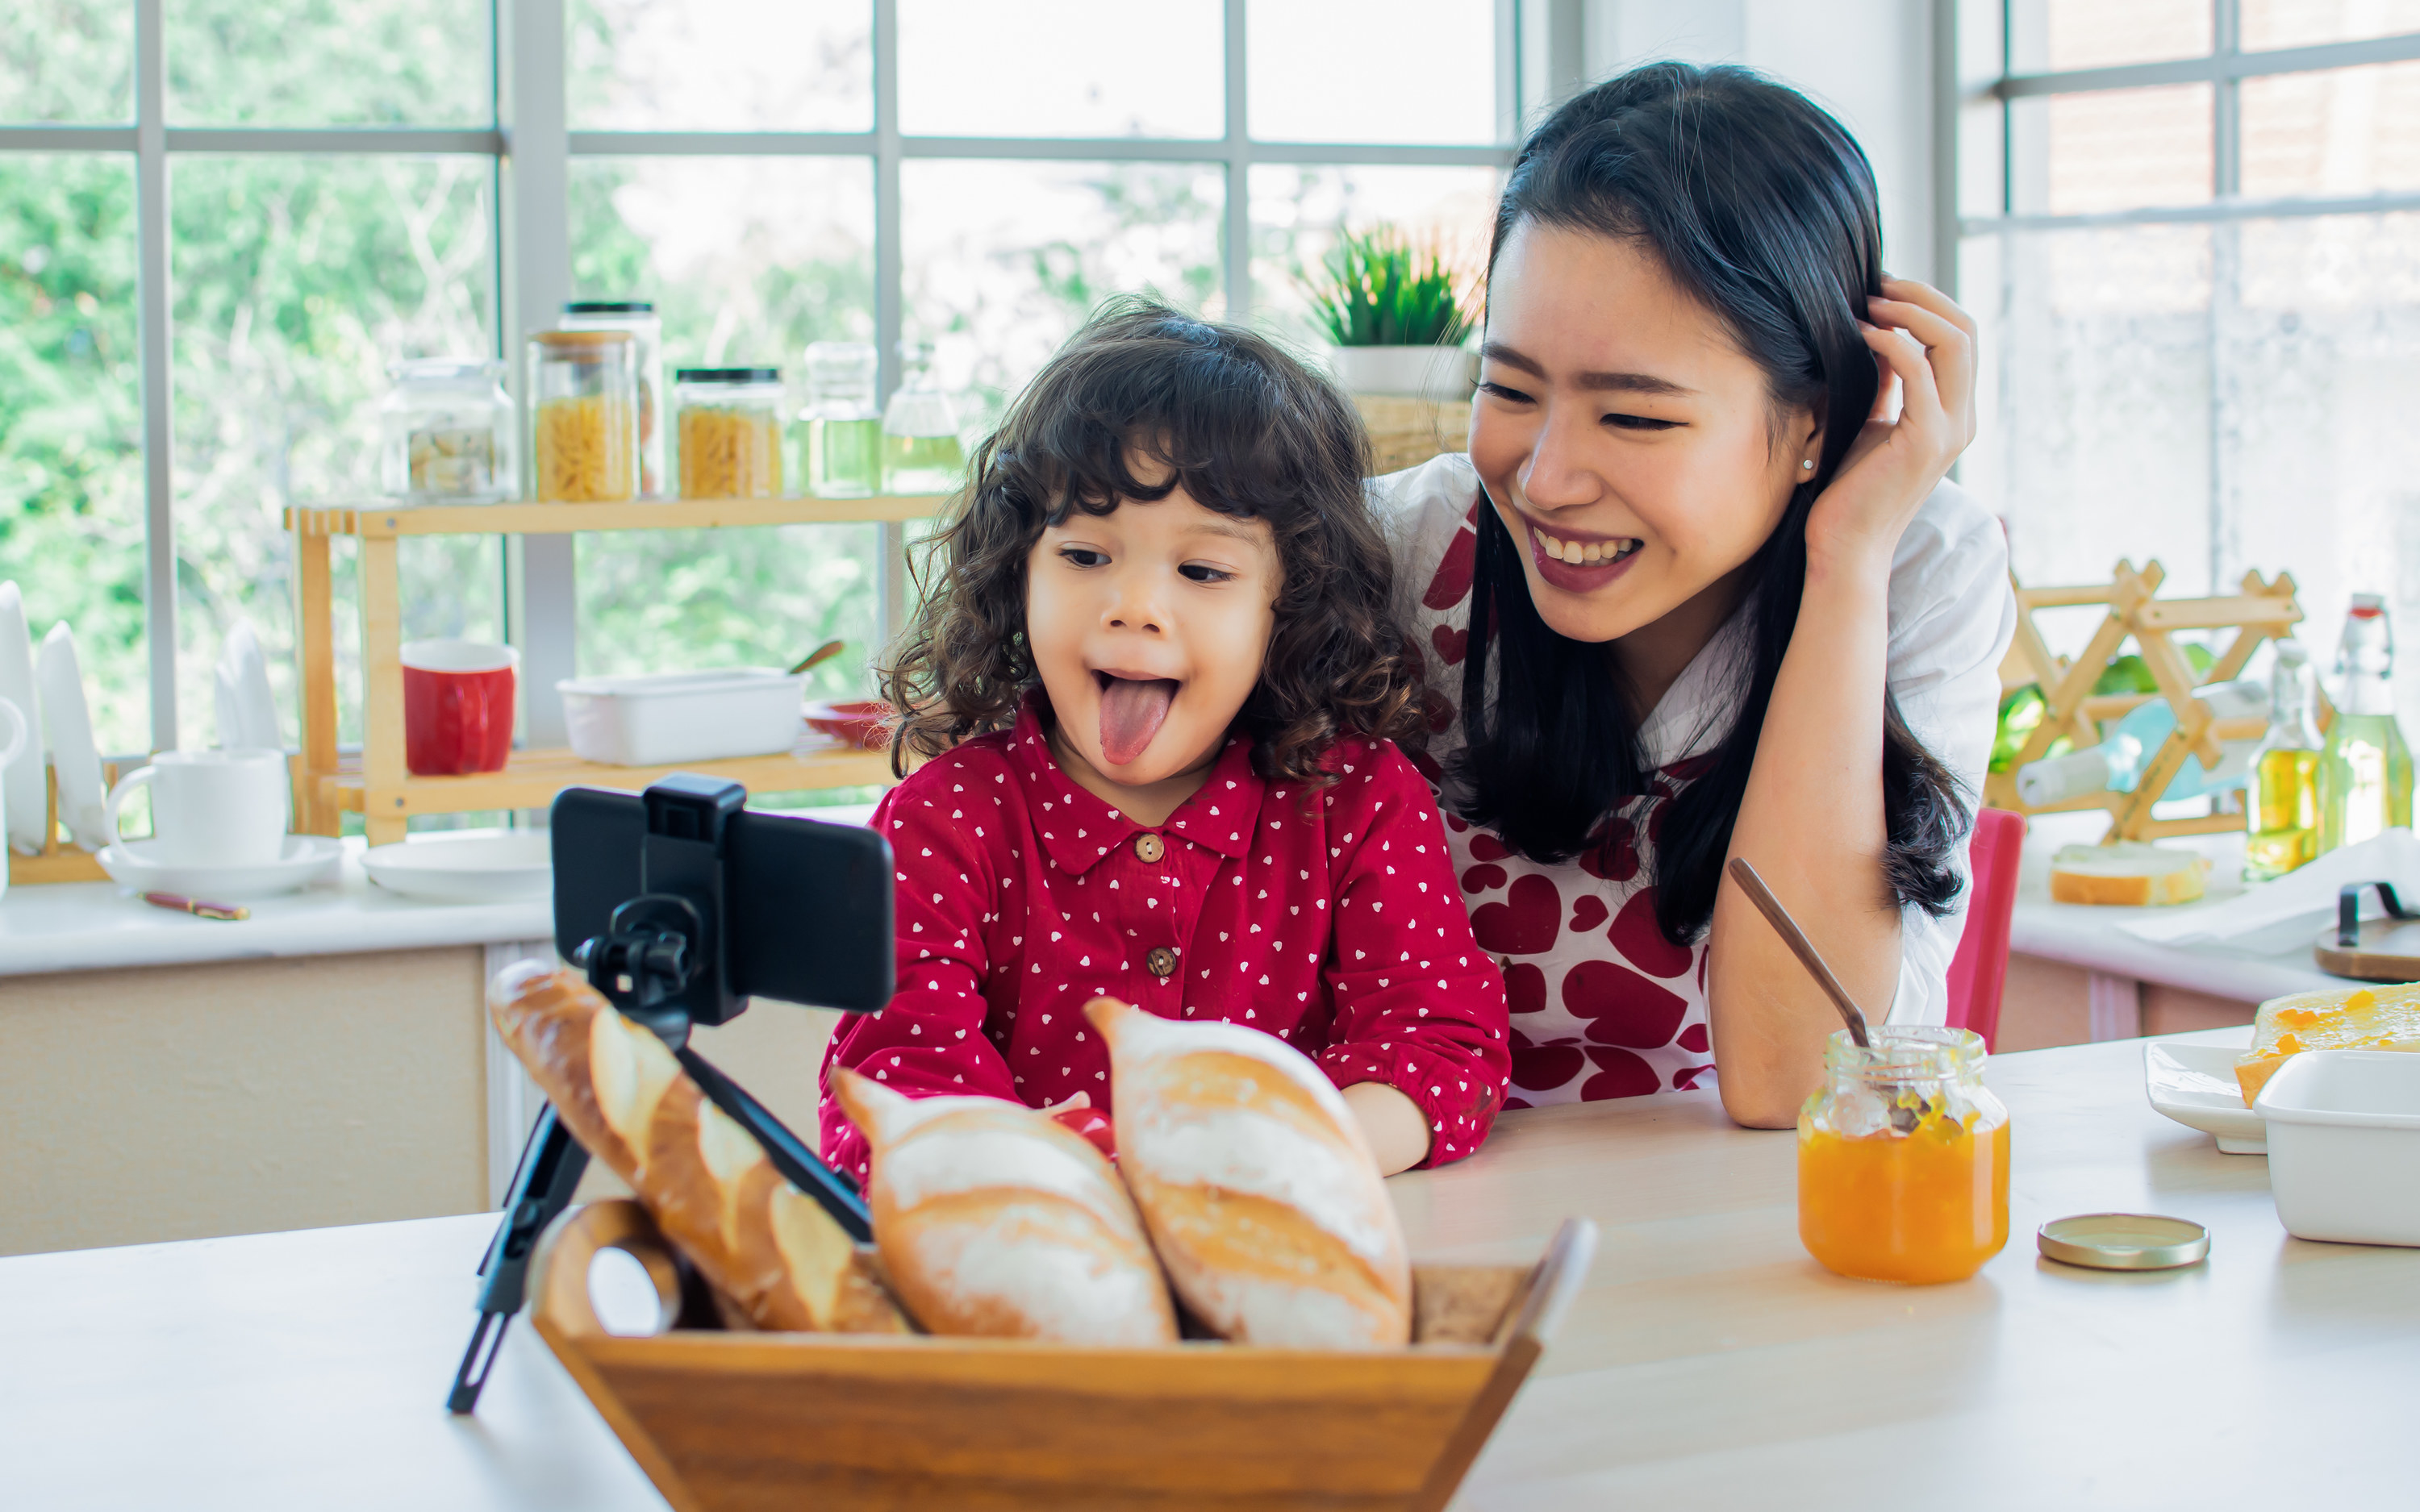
532	146
1975	98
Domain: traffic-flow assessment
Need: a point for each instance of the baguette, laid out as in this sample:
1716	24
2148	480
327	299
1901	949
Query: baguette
995	1219
1257	1184
705	1178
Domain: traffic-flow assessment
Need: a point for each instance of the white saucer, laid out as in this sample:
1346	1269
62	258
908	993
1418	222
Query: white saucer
2195	1085
466	866
308	857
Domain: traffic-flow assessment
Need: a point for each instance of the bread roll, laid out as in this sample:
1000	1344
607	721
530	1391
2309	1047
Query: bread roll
706	1180
1259	1191
994	1219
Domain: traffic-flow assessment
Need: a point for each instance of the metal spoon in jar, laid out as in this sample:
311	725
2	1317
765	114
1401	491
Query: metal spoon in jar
1800	946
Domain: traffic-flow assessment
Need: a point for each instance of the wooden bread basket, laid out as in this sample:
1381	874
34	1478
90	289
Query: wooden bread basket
728	1420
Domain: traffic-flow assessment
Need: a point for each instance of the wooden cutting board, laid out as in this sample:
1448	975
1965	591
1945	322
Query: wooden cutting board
2387	950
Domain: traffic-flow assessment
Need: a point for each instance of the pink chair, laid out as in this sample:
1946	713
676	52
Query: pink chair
1980	967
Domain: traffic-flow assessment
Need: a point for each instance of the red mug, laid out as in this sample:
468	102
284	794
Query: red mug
457	706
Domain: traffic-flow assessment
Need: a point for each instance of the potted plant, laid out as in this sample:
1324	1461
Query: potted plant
1396	315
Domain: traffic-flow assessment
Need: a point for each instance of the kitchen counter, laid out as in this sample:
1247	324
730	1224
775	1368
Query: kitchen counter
1708	1362
85	926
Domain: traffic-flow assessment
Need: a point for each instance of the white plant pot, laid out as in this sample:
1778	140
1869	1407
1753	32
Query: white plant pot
1439	373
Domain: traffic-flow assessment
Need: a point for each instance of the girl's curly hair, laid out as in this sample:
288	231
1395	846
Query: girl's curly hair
1244	428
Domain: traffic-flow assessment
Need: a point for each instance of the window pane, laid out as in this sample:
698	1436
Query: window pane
1420	72
71	423
298	280
330	63
1296	212
1079	68
1003	259
2346	131
2047	36
2269	24
2320	359
721	65
747	259
2112	149
67	61
2099	446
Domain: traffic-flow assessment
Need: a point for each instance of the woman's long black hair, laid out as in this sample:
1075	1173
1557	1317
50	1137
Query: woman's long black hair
1762	207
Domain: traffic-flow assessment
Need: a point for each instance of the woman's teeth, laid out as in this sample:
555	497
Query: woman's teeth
1583	553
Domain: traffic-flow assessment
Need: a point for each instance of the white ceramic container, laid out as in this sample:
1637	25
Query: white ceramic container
1421	372
664	718
2344	1145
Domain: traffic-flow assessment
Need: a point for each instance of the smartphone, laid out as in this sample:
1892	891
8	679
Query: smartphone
806	905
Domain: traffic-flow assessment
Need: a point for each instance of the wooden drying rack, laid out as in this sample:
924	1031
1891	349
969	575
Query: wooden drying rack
2262	609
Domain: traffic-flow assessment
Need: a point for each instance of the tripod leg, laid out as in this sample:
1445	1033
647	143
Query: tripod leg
835	1193
550	1172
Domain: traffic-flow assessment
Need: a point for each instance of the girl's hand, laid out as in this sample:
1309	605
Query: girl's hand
1922	338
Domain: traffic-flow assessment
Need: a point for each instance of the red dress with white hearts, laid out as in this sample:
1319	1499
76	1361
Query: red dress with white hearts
1601	1003
1327	918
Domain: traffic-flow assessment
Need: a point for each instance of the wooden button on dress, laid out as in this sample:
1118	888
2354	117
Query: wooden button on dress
1150	847
1161	962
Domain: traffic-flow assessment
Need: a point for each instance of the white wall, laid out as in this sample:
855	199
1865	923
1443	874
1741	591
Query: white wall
1869	62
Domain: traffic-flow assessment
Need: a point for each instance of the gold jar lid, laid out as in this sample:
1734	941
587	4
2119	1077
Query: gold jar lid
2123	1241
579	340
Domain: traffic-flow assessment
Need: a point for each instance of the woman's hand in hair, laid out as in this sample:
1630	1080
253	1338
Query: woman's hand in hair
1922	338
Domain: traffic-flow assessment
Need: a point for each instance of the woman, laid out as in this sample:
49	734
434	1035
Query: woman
1698	590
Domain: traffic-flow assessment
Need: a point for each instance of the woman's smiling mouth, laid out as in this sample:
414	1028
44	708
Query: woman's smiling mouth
1579	566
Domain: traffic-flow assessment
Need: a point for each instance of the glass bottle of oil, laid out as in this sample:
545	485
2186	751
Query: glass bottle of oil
2365	769
921	454
844	426
2282	821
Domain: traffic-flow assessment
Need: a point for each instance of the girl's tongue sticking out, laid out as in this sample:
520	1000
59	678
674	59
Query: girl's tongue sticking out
1131	711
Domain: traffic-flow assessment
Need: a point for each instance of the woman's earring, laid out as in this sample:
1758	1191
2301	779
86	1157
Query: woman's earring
1807	466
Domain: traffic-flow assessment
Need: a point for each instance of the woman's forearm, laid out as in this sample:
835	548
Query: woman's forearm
1812	823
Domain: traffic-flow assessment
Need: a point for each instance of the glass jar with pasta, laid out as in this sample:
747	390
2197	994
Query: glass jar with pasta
584	409
729	433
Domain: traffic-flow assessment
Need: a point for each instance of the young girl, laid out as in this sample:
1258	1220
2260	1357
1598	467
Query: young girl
1155	672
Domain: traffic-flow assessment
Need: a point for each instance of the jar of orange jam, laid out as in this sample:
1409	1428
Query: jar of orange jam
1903	1158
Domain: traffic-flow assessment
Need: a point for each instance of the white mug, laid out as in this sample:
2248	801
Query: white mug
211	808
15	719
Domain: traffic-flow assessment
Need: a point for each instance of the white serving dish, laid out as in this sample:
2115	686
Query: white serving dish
2195	1085
466	866
2344	1145
307	858
664	718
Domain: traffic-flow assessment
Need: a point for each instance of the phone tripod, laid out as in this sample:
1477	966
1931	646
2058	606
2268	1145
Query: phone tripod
659	962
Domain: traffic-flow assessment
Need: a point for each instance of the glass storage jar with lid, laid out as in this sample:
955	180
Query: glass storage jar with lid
639	318
1903	1158
583	409
446	432
730	432
843	424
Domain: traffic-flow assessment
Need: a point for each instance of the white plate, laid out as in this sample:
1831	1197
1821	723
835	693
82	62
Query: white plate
27	803
308	857
83	796
2195	1085
468	866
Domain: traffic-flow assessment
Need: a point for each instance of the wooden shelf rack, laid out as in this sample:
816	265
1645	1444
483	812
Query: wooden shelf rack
2262	609
377	785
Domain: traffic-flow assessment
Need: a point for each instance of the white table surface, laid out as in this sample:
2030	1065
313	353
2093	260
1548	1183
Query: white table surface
1709	1362
2270	965
89	926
